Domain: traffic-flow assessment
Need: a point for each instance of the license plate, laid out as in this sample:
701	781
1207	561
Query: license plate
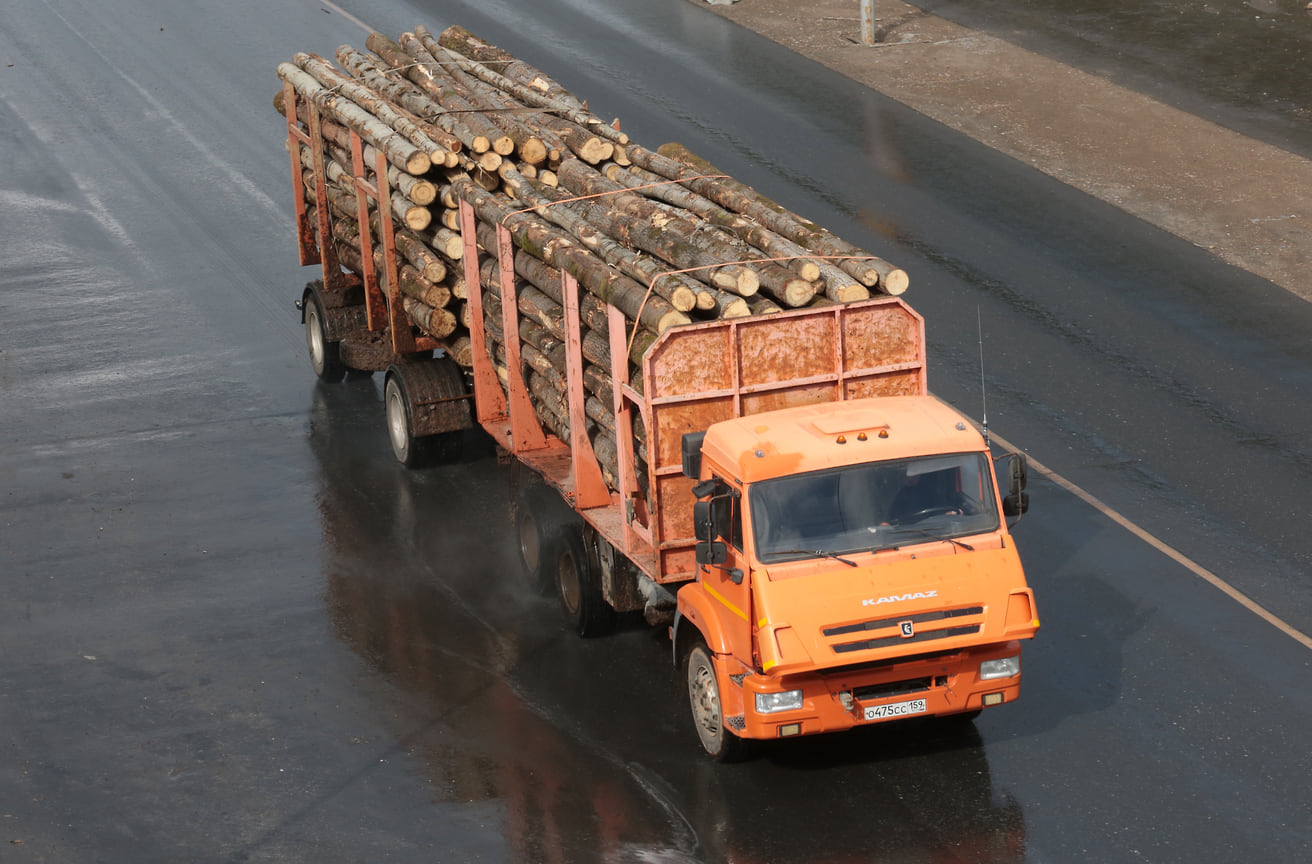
896	709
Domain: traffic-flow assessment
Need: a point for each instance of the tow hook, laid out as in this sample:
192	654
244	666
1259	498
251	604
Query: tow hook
845	699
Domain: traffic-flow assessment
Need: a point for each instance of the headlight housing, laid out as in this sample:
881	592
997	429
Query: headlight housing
1005	667
769	703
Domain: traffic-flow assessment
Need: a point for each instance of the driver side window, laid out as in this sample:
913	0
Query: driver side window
727	517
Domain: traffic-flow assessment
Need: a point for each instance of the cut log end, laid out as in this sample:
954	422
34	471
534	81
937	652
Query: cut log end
670	319
849	293
418	218
533	151
749	282
423	193
418	163
895	282
806	268
737	308
595	151
683	298
798	292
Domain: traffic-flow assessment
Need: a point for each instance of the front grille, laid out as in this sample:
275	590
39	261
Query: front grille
898	688
927	657
738	722
923	636
918	618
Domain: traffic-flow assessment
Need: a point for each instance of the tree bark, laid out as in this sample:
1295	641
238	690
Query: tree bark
370	101
437	93
455	97
438	323
399	151
375	73
639	267
497	106
870	270
463	42
555	248
747	229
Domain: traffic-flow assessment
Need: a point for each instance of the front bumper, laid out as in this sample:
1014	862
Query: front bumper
832	700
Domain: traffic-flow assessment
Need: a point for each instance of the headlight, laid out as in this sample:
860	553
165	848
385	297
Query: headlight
1004	668
768	703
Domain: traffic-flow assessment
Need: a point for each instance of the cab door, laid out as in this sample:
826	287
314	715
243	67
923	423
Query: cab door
729	583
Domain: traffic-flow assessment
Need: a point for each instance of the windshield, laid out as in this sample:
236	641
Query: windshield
874	506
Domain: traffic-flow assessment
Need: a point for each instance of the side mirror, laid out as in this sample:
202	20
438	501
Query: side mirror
1018	471
1016	504
701	524
712	552
710	518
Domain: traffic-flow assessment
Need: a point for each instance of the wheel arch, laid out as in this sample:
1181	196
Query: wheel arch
695	620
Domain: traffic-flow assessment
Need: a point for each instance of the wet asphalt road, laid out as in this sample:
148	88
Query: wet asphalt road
233	629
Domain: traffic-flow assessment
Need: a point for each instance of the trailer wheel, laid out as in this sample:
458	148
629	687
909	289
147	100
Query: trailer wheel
707	708
324	356
420	383
586	610
409	450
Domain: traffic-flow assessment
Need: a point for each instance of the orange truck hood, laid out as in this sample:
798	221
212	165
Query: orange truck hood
945	598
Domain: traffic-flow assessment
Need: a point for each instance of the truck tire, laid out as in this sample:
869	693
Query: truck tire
586	611
325	358
707	708
541	519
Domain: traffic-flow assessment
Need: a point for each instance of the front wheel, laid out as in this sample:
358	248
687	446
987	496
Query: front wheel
708	709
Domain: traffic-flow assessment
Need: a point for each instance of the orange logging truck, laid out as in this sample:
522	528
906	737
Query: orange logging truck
826	542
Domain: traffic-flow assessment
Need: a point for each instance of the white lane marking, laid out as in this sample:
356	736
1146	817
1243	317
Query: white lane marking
347	15
1169	551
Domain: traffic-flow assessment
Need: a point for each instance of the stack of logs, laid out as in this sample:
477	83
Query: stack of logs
660	235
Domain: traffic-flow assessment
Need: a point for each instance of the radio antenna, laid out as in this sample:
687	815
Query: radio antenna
983	391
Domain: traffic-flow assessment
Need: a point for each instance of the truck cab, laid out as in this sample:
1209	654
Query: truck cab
854	566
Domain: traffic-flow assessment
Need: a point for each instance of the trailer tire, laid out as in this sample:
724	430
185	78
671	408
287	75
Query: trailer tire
325	357
708	709
411	384
409	450
586	611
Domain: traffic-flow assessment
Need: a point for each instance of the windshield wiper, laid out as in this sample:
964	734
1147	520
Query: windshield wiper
924	532
817	552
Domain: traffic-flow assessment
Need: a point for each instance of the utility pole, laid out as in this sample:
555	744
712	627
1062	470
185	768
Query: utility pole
867	22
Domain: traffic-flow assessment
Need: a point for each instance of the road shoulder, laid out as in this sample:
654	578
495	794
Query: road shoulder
1248	202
